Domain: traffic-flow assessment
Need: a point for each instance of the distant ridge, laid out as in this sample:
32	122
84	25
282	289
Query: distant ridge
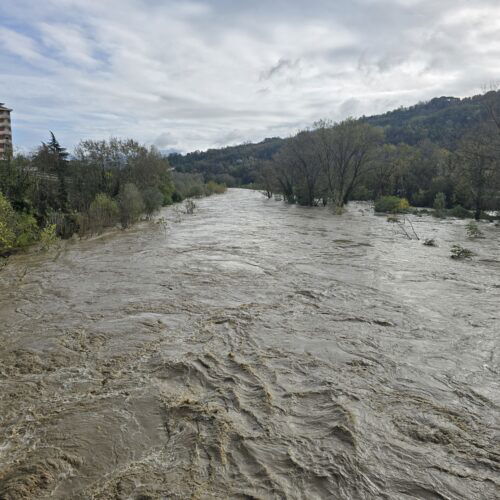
442	120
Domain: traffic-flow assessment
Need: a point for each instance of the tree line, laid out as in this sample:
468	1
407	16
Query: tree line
332	163
51	193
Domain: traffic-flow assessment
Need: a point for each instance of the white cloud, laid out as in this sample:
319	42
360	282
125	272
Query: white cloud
200	74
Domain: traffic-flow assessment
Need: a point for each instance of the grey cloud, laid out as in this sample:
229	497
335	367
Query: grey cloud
165	140
283	66
210	72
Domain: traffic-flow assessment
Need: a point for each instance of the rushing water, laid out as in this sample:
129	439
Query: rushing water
253	350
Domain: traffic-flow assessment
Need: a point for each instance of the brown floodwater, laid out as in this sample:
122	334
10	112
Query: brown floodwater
253	350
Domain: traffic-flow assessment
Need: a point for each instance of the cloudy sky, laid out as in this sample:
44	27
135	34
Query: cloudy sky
191	75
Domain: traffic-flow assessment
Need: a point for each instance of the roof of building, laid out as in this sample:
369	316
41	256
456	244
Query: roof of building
2	107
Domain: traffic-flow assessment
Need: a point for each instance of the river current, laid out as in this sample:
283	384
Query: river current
253	350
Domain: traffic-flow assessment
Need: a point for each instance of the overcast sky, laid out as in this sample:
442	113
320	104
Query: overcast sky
191	75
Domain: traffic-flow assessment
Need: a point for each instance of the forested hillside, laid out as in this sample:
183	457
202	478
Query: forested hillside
233	165
442	121
448	147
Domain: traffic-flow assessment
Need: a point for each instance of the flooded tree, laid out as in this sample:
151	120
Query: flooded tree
347	150
479	165
131	204
327	162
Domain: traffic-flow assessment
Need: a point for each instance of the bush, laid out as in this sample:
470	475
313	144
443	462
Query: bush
131	205
190	206
27	231
473	230
66	223
460	212
440	201
103	212
187	186
7	224
212	187
17	230
392	204
177	197
459	252
430	242
48	236
153	200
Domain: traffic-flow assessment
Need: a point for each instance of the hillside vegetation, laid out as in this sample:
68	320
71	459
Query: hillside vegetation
447	147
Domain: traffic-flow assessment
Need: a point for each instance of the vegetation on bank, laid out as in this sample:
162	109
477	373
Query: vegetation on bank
333	163
51	193
447	145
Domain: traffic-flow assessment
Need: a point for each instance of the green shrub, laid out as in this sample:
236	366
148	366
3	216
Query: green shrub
459	252
153	200
131	204
440	201
103	212
177	197
7	224
460	212
392	204
27	230
473	230
212	187
48	236
439	205
17	230
196	191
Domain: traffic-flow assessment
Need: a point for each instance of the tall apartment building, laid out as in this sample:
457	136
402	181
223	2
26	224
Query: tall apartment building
5	131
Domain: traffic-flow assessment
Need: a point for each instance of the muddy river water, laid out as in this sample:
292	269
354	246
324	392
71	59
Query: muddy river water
253	350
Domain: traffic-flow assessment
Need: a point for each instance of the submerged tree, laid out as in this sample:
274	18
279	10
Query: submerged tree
348	149
480	165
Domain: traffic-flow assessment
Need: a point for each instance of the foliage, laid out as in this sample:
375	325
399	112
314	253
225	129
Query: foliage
187	186
48	237
103	212
27	231
213	187
190	206
445	152
102	183
473	230
233	166
17	229
430	242
153	200
7	224
460	212
479	165
131	204
442	120
439	202
392	204
459	252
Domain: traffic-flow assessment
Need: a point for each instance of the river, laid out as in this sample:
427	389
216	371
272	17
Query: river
253	350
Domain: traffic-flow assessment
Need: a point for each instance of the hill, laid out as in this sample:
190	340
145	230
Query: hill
442	120
233	165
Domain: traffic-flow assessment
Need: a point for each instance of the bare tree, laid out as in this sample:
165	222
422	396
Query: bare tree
347	153
480	164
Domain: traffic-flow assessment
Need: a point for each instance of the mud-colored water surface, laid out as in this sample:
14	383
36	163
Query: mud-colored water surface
253	350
